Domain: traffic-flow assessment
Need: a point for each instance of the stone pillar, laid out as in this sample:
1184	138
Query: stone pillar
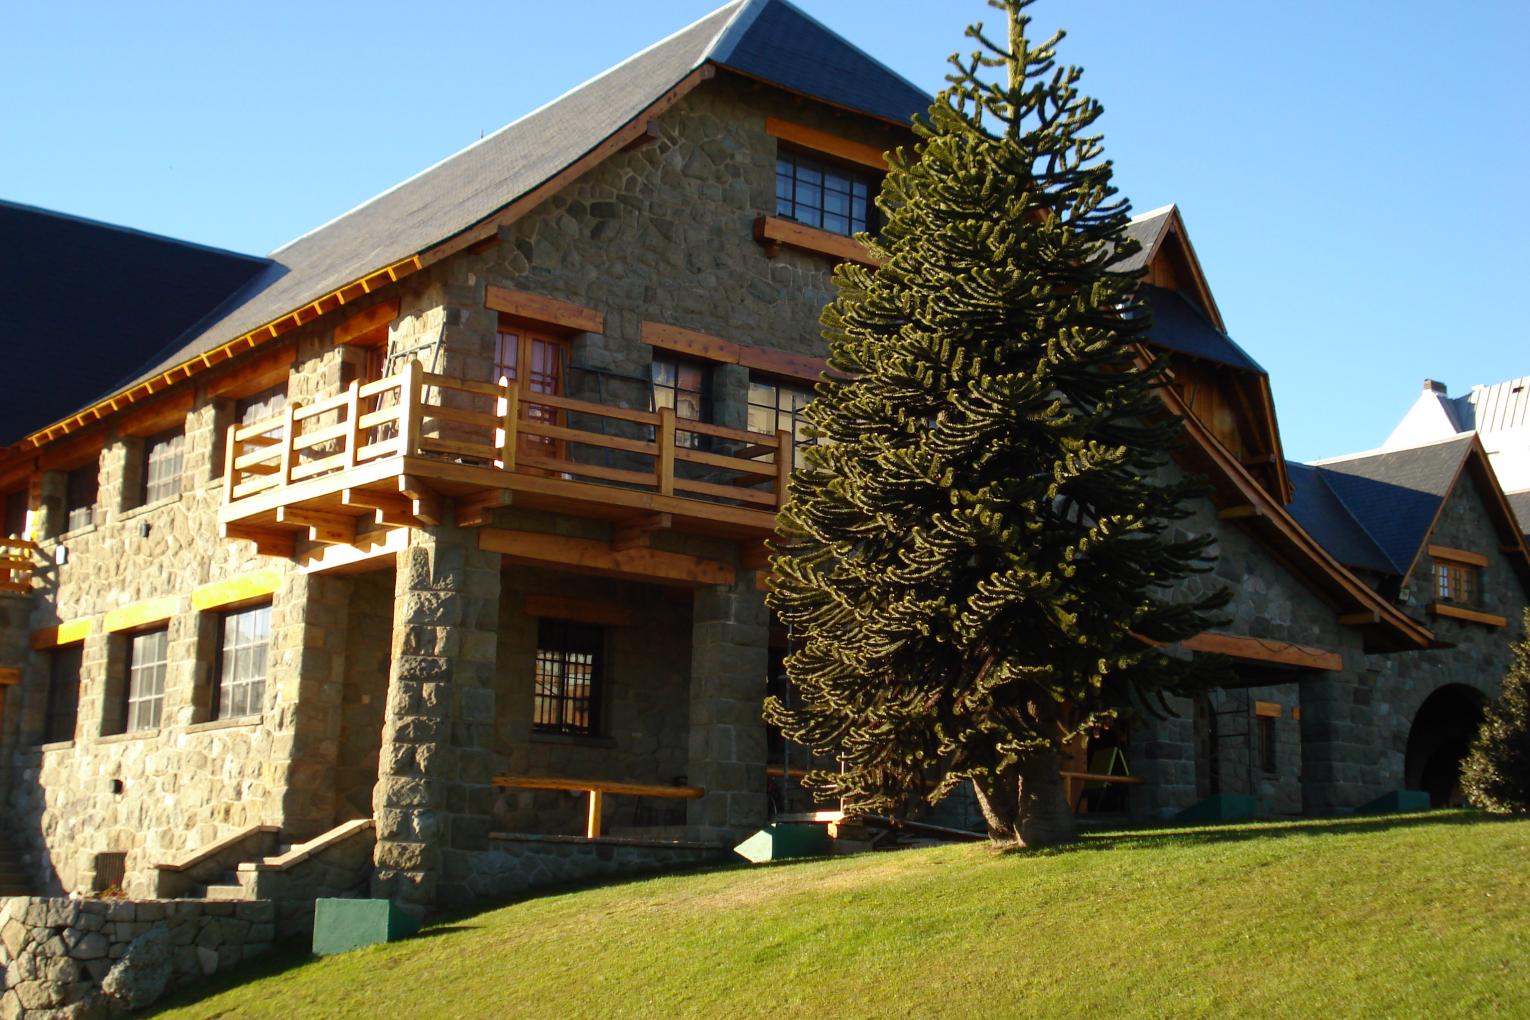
1340	750
1163	754
308	638
433	791
729	662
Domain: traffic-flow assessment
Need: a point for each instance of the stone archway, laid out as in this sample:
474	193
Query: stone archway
1442	730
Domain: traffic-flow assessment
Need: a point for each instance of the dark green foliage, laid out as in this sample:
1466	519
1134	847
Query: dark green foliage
984	526
1496	772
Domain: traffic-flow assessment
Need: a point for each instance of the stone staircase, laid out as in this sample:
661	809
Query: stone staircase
14	879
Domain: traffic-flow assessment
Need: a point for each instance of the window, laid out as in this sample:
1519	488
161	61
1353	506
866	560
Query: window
566	698
681	384
818	194
63	693
147	654
1455	582
163	457
80	497
16	513
1267	743
777	406
530	363
267	403
246	633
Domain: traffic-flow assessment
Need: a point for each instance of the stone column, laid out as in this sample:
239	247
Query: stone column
1163	754
308	637
433	791
1340	751
729	661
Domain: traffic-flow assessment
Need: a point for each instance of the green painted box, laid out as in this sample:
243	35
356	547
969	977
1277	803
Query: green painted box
1222	807
341	925
780	841
1396	802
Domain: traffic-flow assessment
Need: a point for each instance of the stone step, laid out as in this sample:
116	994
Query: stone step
224	892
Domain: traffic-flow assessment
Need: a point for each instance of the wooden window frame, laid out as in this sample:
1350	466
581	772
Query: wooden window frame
778	384
253	688
1456	583
132	697
557	641
801	159
692	440
152	489
1265	726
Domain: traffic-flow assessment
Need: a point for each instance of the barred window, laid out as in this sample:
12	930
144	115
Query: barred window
246	634
777	406
163	457
567	686
681	384
63	693
147	656
1455	582
832	198
80	497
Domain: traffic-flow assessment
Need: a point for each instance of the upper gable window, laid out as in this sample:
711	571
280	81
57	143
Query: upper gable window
825	195
1456	582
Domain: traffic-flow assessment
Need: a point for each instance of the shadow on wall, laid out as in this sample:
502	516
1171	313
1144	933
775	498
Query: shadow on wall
1442	732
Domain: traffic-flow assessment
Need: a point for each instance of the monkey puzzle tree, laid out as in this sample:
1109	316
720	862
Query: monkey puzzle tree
974	552
1496	772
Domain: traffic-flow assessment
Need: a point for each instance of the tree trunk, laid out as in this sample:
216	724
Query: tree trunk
1025	806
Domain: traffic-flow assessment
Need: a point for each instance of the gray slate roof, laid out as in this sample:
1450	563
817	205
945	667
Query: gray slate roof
1144	229
1325	518
1519	502
1179	325
1392	496
767	39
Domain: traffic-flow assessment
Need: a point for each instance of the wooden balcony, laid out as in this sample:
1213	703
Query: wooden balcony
18	559
396	450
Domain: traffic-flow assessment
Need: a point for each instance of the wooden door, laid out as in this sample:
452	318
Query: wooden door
531	363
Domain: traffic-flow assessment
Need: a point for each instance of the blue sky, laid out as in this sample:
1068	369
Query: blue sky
1351	173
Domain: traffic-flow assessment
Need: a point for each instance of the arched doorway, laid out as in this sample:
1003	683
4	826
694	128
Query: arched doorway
1443	729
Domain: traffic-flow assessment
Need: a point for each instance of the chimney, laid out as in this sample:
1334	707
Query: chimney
1430	386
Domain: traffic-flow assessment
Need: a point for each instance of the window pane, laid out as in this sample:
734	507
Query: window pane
242	665
567	674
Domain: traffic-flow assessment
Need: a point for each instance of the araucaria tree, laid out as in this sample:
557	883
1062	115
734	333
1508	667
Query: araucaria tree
1496	773
977	558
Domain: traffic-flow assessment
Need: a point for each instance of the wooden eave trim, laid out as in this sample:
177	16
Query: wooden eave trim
695	344
1277	448
773	232
1254	495
542	310
361	327
1282	653
619	139
176	374
1461	556
826	143
1456	612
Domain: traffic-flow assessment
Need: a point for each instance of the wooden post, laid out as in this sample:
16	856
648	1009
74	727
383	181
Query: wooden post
353	436
592	830
512	399
665	462
785	457
411	413
289	437
228	465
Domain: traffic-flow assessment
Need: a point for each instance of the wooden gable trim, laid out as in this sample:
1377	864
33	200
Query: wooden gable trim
633	131
362	328
826	143
1281	653
544	311
605	614
695	344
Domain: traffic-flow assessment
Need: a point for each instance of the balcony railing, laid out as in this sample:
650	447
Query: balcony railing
18	559
463	437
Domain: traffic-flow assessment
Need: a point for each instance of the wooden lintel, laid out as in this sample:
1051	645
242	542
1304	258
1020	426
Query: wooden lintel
544	310
10	675
1455	612
638	532
323	526
707	347
1445	552
66	633
477	509
606	614
1235	513
602	785
1359	619
830	145
1282	653
157	416
773	232
582	555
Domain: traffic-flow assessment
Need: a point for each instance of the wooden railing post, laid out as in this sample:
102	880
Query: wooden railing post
353	435
512	399
786	455
665	462
592	830
411	413
289	441
231	453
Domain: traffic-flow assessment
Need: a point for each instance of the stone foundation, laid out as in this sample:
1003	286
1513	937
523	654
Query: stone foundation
62	958
516	864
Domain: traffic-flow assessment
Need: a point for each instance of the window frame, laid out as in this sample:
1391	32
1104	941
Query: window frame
1456	583
254	689
132	697
169	483
702	392
794	414
53	711
557	640
87	473
825	165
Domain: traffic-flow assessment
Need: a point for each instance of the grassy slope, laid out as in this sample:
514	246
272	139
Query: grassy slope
1423	916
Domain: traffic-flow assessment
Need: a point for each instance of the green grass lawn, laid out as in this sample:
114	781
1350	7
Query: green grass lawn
1412	916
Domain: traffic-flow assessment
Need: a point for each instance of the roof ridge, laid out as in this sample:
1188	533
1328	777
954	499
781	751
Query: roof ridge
523	117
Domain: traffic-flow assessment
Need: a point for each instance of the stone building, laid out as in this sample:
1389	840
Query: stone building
442	526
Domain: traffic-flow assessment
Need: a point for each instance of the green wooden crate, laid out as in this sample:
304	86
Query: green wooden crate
341	925
781	841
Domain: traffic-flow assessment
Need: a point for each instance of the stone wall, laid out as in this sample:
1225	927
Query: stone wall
515	864
64	958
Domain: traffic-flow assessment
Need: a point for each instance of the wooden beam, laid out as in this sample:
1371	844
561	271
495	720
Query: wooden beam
824	142
638	532
426	503
140	614
774	232
367	553
1445	552
1359	619
1455	612
362	326
393	511
695	344
1269	709
66	633
477	509
268	542
754	556
254	374
10	675
324	526
157	416
556	607
1283	653
1237	513
234	591
603	785
585	556
544	310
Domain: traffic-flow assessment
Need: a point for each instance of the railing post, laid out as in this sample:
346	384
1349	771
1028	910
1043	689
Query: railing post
512	399
592	830
229	455
666	458
353	434
785	457
289	440
411	414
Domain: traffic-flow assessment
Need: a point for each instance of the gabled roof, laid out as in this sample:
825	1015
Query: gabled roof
1178	325
1519	502
769	40
1320	511
141	292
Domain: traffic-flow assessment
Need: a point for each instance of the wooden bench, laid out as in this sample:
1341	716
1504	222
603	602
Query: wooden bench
597	789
